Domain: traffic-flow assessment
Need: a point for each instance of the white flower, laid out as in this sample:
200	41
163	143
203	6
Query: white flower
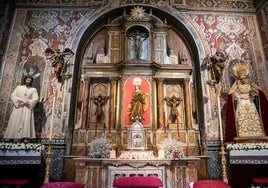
247	146
21	146
99	148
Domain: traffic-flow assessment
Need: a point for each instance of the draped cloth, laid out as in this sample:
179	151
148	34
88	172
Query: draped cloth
231	112
21	122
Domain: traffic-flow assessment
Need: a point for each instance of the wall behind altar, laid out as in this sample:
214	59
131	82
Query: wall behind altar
262	19
228	26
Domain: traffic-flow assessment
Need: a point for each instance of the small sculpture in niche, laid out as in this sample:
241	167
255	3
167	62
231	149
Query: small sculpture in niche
99	101
58	60
136	42
101	56
173	102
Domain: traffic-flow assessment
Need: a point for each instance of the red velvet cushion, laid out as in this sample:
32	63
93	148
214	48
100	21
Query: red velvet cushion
137	182
63	185
210	184
260	181
13	182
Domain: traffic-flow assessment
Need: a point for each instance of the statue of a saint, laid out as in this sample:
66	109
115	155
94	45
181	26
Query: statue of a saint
247	107
21	122
173	102
138	103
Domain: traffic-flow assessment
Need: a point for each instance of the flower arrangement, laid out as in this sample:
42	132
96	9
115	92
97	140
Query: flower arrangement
247	146
169	145
99	148
7	146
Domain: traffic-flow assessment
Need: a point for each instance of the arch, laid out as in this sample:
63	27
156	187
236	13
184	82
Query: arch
177	21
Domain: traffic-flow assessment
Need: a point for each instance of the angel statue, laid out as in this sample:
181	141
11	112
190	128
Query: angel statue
215	65
58	60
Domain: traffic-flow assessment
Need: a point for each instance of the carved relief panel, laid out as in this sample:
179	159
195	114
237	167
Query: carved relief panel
159	48
115	47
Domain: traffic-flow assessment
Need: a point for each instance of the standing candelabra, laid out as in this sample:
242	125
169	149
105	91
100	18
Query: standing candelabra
49	148
222	152
215	65
48	163
60	62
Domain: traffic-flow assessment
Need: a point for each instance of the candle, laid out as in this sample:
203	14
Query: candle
178	129
96	127
112	154
161	154
52	115
110	121
164	119
219	116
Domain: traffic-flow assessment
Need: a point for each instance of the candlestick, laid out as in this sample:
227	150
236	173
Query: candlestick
178	129
112	154
52	115
164	119
48	163
219	115
161	154
223	153
96	128
110	121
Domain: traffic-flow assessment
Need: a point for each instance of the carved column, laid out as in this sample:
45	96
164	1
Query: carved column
78	113
112	104
85	103
118	104
154	101
161	114
186	90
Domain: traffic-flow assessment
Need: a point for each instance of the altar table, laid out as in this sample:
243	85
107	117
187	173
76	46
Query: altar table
21	165
101	173
246	165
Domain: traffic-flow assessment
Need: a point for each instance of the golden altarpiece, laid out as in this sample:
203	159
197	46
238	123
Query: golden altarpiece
136	51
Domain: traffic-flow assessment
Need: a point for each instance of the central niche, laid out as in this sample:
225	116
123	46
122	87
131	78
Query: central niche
137	43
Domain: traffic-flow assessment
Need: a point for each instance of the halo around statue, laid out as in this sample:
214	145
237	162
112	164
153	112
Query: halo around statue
239	69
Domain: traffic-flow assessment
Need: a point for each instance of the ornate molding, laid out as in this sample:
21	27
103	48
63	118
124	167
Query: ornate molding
20	157
248	156
135	163
214	5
